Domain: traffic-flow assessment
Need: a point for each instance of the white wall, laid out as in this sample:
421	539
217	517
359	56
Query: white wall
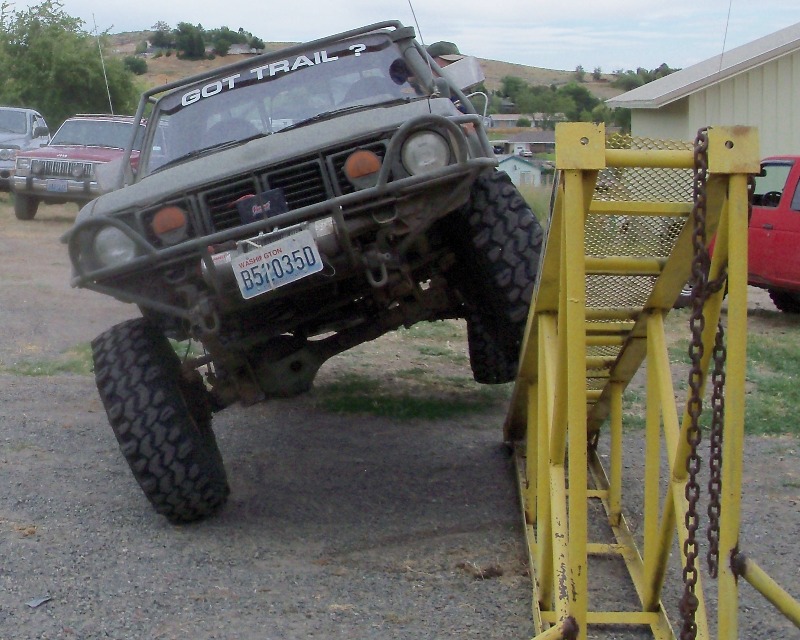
767	97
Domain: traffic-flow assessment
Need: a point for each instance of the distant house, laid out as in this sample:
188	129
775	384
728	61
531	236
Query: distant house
534	141
755	84
242	49
522	171
505	120
537	120
529	142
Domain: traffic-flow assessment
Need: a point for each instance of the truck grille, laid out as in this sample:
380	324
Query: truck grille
305	182
62	169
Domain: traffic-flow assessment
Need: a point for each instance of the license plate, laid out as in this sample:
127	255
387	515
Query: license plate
58	186
277	264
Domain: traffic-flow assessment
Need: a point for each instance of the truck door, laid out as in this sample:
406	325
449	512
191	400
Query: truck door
774	236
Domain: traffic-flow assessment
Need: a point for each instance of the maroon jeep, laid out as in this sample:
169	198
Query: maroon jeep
69	169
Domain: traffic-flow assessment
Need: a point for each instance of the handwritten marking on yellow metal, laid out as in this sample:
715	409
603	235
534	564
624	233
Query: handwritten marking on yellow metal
581	348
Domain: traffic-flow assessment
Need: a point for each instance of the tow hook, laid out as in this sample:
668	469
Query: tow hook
377	272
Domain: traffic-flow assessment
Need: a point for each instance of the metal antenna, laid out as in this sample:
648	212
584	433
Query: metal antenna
416	22
103	64
725	37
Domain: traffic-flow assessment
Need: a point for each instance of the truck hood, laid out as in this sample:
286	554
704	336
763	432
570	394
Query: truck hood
13	139
75	153
279	147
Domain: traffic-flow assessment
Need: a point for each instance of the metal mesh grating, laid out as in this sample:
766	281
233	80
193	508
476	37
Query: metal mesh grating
618	291
620	235
602	351
644	184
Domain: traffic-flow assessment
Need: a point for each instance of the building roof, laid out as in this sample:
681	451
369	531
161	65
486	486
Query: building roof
508	157
534	135
680	84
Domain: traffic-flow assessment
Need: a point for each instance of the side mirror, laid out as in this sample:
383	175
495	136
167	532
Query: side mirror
41	132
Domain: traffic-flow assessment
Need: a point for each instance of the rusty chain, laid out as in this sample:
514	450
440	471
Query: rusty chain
715	451
700	264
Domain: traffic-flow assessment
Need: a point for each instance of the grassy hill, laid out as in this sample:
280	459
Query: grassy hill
168	68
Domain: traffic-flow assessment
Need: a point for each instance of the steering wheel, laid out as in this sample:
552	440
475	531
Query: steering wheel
771	199
369	87
228	130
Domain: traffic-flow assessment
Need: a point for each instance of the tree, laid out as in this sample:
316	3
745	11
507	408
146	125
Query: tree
190	41
582	99
597	74
50	63
162	36
221	39
135	65
580	73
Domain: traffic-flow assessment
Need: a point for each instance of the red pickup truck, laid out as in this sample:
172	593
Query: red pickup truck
774	237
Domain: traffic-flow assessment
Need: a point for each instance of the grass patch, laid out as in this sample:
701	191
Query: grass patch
436	399
77	360
773	370
773	384
538	199
438	330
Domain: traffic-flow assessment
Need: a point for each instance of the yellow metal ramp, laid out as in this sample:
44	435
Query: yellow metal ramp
620	245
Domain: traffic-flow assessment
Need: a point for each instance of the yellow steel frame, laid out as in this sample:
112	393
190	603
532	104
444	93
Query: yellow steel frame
555	414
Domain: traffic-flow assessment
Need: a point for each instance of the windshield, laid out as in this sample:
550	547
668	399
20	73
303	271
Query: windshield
13	121
266	98
96	133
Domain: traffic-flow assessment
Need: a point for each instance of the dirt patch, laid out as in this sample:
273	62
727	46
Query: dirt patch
338	525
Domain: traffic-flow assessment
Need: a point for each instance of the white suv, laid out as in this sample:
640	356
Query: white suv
20	129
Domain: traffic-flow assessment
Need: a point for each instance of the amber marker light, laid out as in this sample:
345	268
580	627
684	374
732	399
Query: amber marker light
361	168
169	225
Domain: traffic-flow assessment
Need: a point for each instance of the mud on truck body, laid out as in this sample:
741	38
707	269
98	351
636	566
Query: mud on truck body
286	208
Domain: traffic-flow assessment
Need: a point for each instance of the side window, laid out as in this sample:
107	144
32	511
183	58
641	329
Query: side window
795	206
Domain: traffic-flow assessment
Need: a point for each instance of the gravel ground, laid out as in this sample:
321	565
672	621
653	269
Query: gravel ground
338	526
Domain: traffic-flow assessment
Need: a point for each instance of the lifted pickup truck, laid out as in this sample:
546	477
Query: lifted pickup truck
774	234
287	208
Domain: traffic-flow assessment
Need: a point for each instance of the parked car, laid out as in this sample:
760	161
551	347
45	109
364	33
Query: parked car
69	168
773	238
287	208
20	130
774	232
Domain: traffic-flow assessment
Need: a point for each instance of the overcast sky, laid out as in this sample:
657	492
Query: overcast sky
556	34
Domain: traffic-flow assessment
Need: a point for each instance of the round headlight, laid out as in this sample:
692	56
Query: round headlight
113	247
425	151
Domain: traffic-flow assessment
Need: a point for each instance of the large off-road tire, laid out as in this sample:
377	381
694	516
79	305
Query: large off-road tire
786	301
25	207
162	421
490	363
498	265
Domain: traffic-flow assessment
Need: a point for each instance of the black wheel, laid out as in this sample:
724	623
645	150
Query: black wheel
786	301
684	298
25	207
162	421
499	260
490	363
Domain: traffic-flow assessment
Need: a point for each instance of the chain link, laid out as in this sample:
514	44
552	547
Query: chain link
700	264
715	454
